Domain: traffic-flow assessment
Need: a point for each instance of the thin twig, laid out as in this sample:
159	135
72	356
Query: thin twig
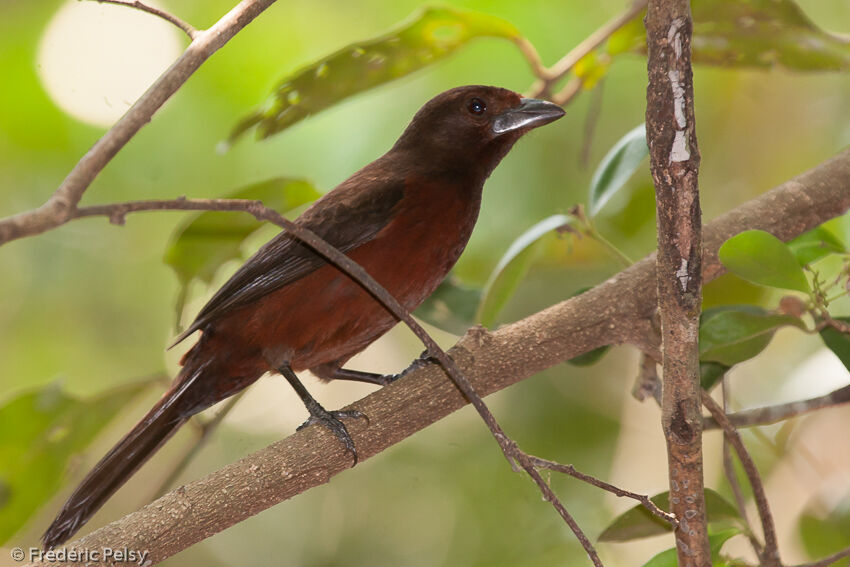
591	120
770	557
566	95
548	77
642	498
780	412
59	208
828	560
351	269
732	478
170	18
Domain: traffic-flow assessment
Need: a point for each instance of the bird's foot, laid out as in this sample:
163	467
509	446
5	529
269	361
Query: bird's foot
423	360
333	421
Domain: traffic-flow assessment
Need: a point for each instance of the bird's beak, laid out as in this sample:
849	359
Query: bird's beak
530	113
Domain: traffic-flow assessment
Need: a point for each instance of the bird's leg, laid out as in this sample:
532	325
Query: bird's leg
318	414
369	377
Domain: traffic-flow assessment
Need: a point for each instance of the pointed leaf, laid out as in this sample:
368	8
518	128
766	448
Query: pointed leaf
513	266
814	245
638	522
428	36
39	433
761	258
756	33
451	307
207	240
616	168
826	533
732	334
838	342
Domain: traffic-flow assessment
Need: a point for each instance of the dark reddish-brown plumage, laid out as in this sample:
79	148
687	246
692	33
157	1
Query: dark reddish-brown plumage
406	218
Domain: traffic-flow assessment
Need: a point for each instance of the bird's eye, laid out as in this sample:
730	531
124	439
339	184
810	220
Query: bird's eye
476	106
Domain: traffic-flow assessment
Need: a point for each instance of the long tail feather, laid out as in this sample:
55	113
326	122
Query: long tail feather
119	464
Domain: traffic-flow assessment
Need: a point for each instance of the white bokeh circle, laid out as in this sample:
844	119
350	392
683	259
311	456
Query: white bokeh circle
95	60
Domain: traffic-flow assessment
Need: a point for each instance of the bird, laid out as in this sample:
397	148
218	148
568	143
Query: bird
405	218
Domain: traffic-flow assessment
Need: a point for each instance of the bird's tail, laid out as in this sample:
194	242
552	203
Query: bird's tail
116	467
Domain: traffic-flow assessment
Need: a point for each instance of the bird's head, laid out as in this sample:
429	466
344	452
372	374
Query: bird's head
474	126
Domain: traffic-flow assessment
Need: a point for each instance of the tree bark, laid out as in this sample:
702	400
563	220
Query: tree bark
674	163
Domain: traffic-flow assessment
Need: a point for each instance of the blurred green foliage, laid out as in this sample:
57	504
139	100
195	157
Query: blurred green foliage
90	304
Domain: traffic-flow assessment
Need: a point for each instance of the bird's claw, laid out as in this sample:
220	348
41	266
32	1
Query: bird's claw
333	421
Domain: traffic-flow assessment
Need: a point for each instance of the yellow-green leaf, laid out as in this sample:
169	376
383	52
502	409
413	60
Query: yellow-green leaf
207	240
733	334
428	36
513	266
761	258
756	33
39	433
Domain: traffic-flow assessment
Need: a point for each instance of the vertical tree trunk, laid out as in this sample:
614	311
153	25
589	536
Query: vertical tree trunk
674	156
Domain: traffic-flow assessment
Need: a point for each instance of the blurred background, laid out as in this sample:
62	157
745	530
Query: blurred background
90	307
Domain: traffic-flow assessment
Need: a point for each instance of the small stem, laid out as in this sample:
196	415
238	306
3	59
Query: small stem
732	478
780	412
770	556
184	27
829	560
571	471
595	234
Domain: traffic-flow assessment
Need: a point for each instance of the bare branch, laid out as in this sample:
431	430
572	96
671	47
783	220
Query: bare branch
642	498
548	77
170	18
770	554
781	412
829	560
674	163
59	208
616	311
732	478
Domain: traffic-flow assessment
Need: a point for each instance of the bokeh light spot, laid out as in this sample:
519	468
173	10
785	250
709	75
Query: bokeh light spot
95	60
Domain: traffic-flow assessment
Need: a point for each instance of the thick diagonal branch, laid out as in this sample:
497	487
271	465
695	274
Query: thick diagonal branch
616	311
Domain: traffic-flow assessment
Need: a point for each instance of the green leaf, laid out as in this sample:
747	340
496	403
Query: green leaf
761	258
589	358
513	266
428	36
205	241
451	307
39	433
667	558
638	522
824	534
756	33
838	342
814	245
732	334
710	373
764	33
616	168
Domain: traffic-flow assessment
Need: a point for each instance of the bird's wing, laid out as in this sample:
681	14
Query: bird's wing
346	218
